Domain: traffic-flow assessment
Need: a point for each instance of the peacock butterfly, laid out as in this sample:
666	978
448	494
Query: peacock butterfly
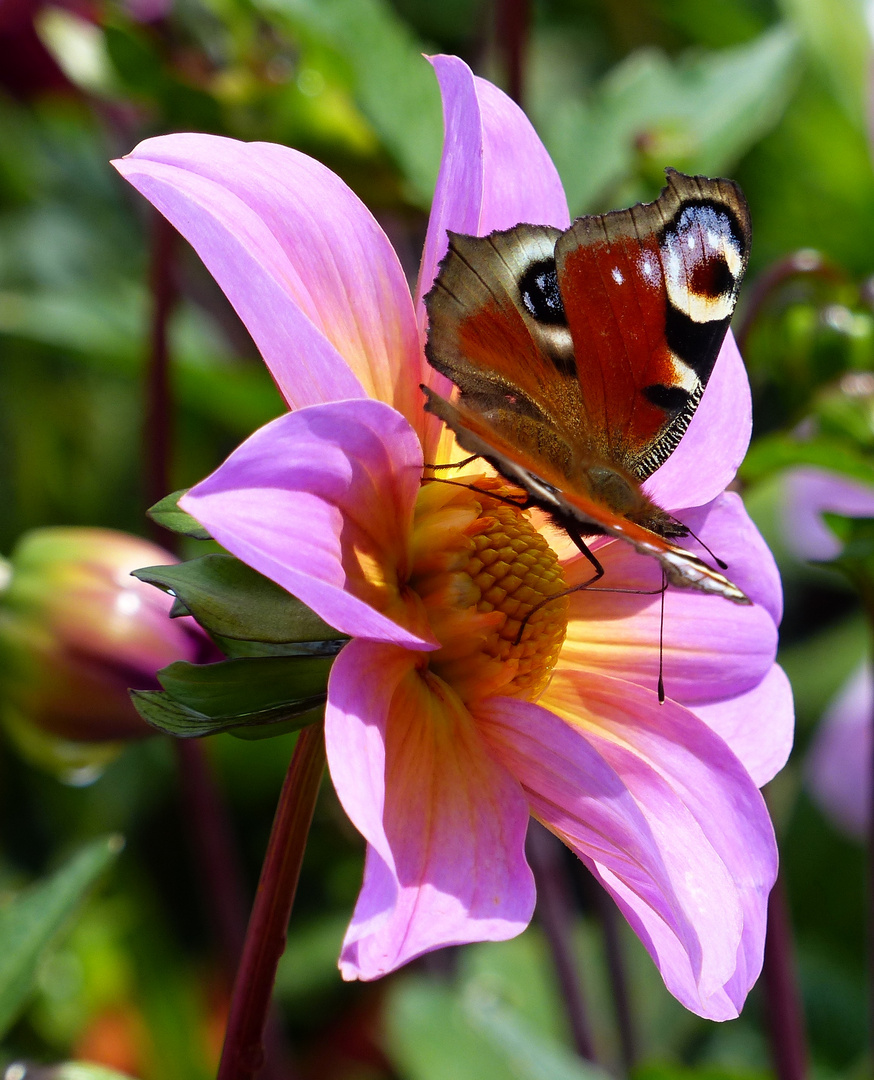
581	356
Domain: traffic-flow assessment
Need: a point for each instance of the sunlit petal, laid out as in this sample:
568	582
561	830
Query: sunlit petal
321	502
669	759
713	649
300	257
758	725
716	441
445	823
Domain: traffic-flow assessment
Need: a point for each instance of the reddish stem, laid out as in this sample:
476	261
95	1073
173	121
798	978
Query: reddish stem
514	19
609	918
555	913
243	1052
785	1014
870	875
214	851
158	435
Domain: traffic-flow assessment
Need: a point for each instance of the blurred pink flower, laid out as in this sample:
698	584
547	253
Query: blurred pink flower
76	630
838	765
442	735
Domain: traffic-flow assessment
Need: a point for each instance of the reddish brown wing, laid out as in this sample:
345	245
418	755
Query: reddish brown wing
510	366
545	486
648	294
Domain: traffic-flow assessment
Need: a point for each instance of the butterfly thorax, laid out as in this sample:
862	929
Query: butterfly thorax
621	493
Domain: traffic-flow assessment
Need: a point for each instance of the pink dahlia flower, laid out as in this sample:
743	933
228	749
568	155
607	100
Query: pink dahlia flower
838	765
443	735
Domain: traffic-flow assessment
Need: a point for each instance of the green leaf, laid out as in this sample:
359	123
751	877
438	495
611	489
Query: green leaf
168	515
231	600
237	687
699	114
392	82
533	1056
101	328
163	712
79	1070
436	1031
838	41
773	453
34	918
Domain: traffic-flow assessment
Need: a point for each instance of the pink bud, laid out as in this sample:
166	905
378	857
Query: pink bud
77	631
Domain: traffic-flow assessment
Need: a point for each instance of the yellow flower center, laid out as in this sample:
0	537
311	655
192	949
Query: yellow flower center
481	568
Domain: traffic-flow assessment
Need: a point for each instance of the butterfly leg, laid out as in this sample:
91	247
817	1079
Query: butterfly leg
581	544
452	464
519	504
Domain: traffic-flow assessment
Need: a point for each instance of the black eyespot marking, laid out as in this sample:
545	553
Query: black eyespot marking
696	343
711	278
705	214
673	399
538	288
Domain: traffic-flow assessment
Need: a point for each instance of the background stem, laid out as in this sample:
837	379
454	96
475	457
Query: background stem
555	913
243	1052
785	1013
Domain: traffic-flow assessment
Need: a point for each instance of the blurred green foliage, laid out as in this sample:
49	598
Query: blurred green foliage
773	93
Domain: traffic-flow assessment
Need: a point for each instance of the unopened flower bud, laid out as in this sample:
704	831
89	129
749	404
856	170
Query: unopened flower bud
77	631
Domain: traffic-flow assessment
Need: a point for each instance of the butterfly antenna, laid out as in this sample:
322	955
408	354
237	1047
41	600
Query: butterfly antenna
722	565
661	687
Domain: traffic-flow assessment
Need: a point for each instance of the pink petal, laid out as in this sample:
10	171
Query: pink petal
727	529
716	441
711	825
838	766
758	726
808	493
713	649
495	170
300	257
445	824
628	824
321	502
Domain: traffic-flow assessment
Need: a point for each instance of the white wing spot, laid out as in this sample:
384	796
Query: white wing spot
616	274
648	267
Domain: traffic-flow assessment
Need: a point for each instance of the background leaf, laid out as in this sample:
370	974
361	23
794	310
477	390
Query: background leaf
32	920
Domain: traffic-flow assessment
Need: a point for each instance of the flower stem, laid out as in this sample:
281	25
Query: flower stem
870	869
785	1014
214	851
554	910
608	916
514	19
243	1052
158	419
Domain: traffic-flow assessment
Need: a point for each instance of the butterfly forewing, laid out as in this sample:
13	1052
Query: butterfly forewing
512	368
648	294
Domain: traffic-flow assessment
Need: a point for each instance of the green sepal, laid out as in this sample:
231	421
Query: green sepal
231	600
254	698
167	514
244	686
159	709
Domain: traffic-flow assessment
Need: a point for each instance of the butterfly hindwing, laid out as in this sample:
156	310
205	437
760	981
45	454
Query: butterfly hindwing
576	508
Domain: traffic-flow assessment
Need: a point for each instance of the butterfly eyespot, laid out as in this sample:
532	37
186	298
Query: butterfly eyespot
671	399
538	288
